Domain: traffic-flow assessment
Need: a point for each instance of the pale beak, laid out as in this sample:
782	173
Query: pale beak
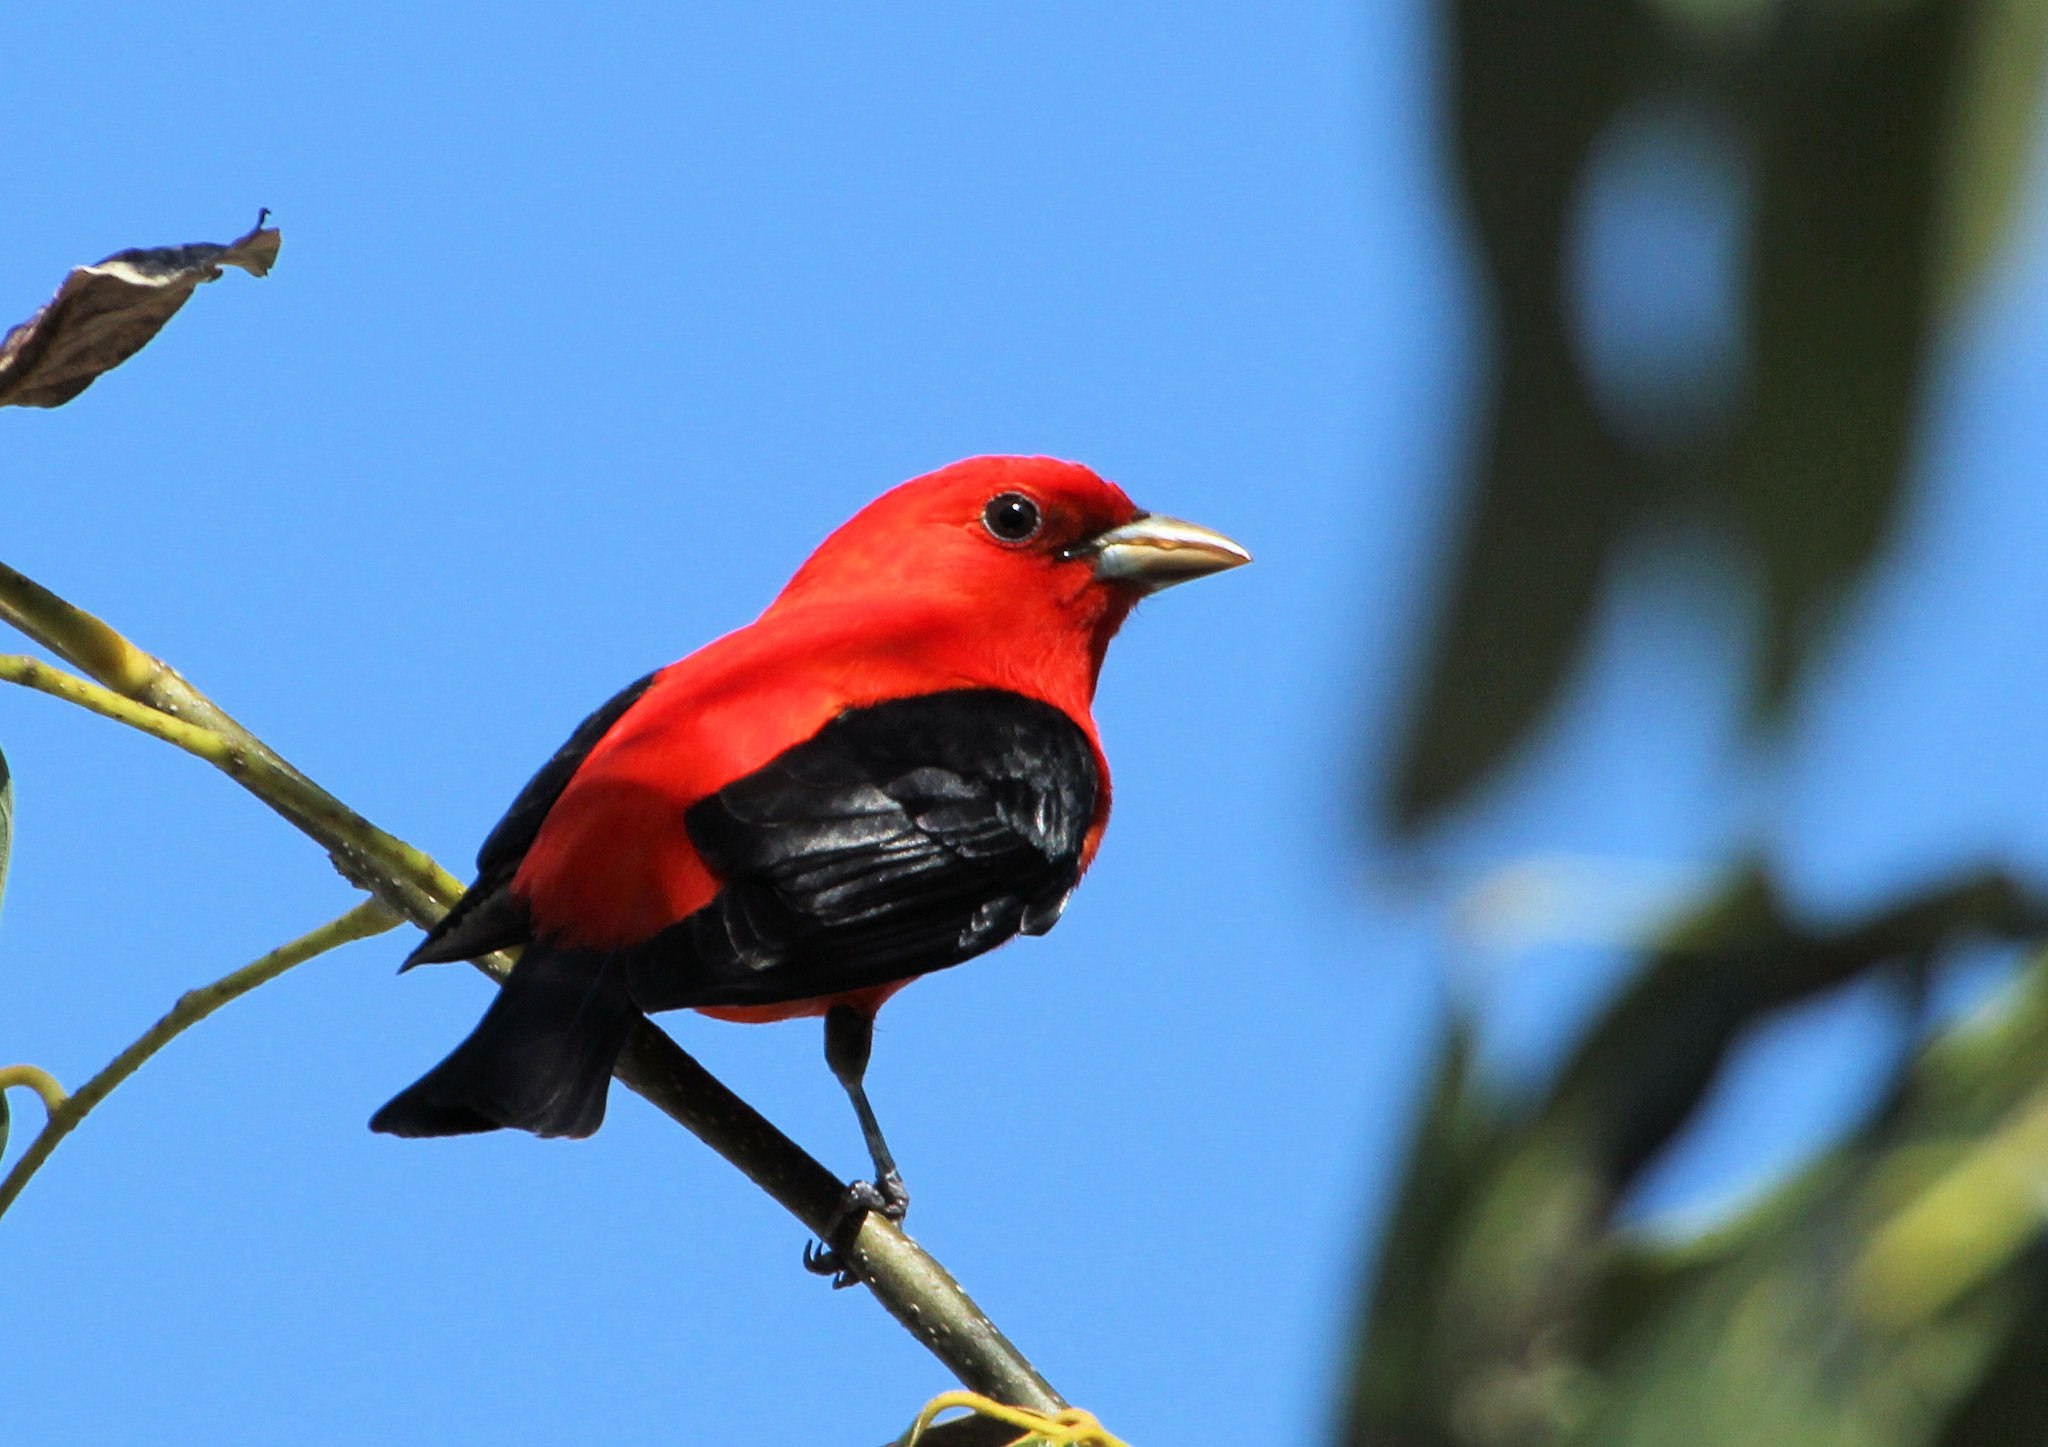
1152	552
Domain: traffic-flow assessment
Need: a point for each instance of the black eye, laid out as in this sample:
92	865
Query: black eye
1010	517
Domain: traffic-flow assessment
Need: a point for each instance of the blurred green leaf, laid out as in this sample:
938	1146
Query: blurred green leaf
1510	1309
6	822
2009	1401
1852	120
1991	147
1397	1379
1884	146
1534	87
1894	1291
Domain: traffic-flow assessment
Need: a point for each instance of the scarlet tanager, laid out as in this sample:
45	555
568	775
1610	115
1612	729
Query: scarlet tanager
890	771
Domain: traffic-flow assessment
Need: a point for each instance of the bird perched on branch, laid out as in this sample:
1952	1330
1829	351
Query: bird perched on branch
892	770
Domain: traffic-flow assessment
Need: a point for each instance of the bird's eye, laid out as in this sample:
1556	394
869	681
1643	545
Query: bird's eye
1011	518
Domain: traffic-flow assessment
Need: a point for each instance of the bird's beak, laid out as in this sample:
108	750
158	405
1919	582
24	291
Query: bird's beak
1152	552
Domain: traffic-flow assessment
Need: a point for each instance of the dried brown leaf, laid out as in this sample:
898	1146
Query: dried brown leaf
105	313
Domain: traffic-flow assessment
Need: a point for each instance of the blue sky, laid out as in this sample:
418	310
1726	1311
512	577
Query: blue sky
587	326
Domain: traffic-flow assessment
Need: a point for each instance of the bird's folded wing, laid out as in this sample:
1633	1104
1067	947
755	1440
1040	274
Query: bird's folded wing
901	838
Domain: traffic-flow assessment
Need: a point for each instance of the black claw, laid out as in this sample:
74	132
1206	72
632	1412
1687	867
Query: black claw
892	1197
887	1197
822	1260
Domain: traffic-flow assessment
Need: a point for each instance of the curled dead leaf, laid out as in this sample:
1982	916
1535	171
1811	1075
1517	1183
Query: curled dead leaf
105	313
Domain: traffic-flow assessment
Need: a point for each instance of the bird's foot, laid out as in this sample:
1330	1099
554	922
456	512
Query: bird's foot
887	1197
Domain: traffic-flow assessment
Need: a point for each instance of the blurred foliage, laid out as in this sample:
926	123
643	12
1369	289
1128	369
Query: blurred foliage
6	823
1865	154
1833	177
1892	1293
6	853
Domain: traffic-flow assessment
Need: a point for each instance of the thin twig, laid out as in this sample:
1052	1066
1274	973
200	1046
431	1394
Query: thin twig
37	1079
1066	1429
365	855
200	742
74	635
370	917
913	1287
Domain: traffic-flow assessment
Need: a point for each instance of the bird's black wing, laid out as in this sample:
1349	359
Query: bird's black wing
901	838
488	917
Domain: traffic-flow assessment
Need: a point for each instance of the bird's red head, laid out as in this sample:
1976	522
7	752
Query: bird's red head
1029	564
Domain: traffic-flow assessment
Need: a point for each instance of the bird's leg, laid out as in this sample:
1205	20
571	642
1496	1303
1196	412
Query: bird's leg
849	1039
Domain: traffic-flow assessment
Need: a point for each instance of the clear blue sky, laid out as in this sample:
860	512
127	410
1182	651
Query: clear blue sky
588	324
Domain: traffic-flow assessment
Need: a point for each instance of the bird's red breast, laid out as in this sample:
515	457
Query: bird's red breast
891	771
912	596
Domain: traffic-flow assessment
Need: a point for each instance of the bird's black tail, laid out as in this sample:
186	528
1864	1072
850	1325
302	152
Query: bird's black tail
540	1060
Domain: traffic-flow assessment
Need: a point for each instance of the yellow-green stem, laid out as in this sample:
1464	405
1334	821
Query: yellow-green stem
200	742
913	1286
74	634
370	917
37	1079
410	879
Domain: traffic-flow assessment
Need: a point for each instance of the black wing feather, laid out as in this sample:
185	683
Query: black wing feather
488	918
901	838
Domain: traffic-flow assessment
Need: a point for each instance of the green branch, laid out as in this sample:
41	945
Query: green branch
135	688
201	743
37	1079
368	918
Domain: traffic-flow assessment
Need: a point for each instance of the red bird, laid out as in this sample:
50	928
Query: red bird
891	771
